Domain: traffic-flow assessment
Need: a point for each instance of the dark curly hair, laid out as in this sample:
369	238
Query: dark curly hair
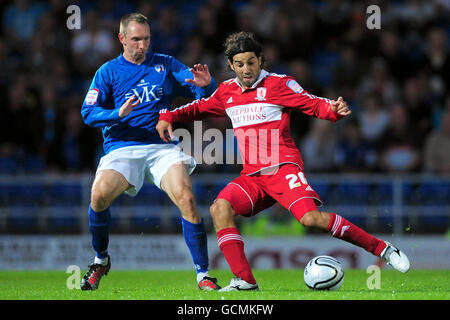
240	42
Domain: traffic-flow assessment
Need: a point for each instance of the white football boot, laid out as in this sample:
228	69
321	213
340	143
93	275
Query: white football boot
395	258
237	284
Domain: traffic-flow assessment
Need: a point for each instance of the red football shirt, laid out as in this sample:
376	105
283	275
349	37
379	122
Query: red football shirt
260	117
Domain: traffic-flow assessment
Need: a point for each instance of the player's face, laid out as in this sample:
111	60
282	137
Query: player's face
247	67
136	41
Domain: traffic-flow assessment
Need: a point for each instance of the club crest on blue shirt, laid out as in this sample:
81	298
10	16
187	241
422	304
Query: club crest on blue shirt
159	68
294	86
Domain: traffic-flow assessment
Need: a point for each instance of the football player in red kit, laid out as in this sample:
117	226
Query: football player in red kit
259	104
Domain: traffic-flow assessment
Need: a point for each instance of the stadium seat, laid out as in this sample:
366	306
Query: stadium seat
433	193
352	193
323	190
8	165
217	187
34	165
356	214
123	199
384	193
205	194
323	63
433	217
23	219
66	194
25	194
146	218
150	195
61	218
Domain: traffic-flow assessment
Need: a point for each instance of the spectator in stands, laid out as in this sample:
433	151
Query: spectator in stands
407	60
373	119
378	81
348	72
225	18
437	147
353	153
393	54
26	119
318	147
207	27
194	51
398	147
284	37
333	18
437	60
21	18
262	15
415	93
51	112
92	45
7	69
168	37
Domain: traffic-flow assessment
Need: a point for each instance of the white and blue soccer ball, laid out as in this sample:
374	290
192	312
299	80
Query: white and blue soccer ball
324	273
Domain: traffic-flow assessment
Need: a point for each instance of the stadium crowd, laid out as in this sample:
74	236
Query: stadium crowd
395	79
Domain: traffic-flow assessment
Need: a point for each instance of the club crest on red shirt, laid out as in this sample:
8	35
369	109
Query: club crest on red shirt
261	94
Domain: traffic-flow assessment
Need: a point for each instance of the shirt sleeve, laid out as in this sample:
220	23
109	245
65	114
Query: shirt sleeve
292	95
98	106
180	73
196	110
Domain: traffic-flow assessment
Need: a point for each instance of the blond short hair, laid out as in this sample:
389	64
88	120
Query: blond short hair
126	19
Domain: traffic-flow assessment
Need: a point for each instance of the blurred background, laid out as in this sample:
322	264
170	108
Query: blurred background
386	168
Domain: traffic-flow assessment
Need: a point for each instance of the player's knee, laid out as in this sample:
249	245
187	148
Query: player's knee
310	219
184	198
99	200
220	209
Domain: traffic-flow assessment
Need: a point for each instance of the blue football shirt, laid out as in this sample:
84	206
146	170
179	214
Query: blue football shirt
154	82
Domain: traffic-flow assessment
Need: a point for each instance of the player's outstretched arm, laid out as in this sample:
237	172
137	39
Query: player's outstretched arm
340	107
164	129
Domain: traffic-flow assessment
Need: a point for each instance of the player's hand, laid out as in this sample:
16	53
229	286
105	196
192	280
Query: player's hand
340	107
164	129
128	106
202	77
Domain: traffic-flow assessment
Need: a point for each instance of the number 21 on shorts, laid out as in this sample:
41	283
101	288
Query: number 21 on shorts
293	180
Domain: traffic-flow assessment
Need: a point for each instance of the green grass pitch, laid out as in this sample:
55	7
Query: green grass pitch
181	285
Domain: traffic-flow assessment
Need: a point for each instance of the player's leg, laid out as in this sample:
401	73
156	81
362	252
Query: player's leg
290	187
231	243
177	184
339	227
343	229
240	197
107	185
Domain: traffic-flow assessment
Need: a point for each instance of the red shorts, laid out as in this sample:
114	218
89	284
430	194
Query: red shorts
249	195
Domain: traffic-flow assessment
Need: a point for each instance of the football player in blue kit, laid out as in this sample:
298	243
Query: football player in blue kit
124	99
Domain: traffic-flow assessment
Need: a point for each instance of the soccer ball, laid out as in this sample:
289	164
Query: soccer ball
324	273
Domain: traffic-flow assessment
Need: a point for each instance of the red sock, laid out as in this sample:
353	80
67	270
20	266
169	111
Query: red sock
347	231
232	246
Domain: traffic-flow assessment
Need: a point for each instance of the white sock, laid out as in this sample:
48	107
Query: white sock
102	261
201	275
